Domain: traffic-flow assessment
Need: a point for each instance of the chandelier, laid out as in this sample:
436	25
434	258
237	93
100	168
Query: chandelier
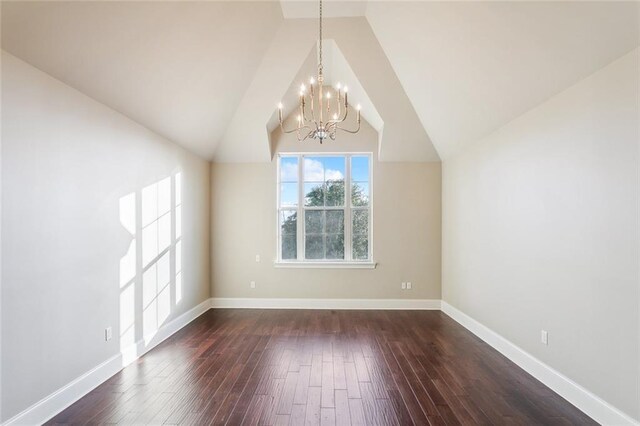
321	109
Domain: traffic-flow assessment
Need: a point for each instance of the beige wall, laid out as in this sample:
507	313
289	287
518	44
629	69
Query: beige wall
540	231
406	230
70	167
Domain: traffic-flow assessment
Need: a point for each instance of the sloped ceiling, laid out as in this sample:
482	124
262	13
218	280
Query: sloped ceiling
471	67
178	68
208	75
249	120
404	138
294	9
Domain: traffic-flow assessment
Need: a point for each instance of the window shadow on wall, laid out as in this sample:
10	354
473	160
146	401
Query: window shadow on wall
151	269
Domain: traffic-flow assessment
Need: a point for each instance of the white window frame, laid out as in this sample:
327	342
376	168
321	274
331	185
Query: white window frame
301	261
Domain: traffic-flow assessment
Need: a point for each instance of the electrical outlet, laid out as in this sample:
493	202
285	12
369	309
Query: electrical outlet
544	337
404	286
108	334
257	258
253	284
408	286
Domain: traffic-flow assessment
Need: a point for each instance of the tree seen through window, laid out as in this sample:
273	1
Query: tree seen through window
325	209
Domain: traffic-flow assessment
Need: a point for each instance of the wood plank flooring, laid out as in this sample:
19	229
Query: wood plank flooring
290	367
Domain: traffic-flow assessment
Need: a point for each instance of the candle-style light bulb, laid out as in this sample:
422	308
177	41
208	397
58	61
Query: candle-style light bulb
338	86
280	105
312	80
346	89
358	107
302	88
335	116
328	95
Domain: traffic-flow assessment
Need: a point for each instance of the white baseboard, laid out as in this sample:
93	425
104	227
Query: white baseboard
48	407
589	403
596	408
54	403
143	346
267	303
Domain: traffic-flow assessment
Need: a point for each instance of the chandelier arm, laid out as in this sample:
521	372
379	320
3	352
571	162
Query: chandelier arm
297	129
305	117
330	127
313	114
357	129
299	136
311	117
344	117
339	120
284	130
320	95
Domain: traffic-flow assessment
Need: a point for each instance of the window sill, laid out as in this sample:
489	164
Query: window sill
325	265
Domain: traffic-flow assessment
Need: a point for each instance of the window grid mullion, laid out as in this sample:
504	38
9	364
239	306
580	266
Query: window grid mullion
370	210
279	230
300	238
325	208
347	208
347	212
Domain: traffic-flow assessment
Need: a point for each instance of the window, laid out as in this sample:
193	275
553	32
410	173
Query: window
324	208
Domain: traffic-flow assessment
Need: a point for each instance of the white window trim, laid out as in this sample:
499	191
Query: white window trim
348	209
326	264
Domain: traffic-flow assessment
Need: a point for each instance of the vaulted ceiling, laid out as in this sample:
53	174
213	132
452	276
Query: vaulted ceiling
470	68
433	77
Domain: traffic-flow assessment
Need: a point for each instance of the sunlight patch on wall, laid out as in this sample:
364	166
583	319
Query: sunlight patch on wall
178	201
151	280
127	317
128	265
156	240
128	273
156	295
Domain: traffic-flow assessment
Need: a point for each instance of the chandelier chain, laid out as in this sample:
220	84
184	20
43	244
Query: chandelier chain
322	102
320	62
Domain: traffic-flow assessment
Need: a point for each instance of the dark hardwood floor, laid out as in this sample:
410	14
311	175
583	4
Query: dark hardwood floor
277	367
